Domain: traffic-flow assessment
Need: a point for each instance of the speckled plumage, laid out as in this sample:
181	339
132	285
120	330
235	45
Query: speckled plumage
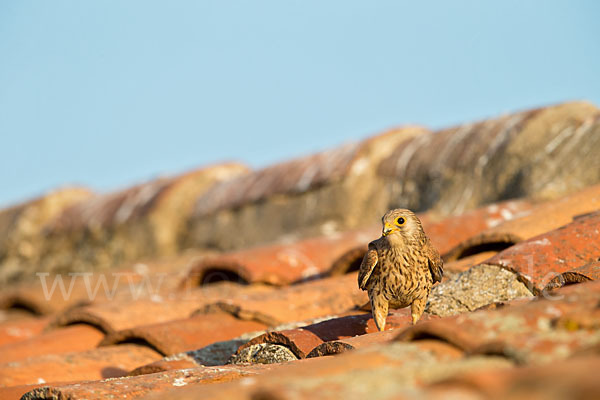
400	267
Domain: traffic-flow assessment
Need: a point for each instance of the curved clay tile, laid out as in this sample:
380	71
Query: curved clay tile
301	341
21	229
302	302
187	334
585	273
68	339
142	221
334	190
280	264
540	153
538	260
538	219
526	332
99	363
21	329
133	387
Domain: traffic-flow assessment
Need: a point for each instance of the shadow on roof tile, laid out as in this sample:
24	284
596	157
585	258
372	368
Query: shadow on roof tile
301	341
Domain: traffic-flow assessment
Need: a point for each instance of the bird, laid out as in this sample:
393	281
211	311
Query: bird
399	268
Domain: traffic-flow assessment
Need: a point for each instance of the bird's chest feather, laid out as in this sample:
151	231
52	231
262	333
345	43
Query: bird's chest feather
403	274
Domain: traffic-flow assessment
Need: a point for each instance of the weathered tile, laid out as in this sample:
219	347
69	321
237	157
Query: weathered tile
133	387
20	330
529	332
281	264
541	153
538	260
541	218
68	339
104	362
301	341
185	334
305	301
326	192
22	227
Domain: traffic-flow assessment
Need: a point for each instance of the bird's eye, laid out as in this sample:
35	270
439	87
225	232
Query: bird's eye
400	221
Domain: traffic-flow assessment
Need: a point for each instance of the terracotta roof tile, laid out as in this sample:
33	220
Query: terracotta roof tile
116	316
136	201
526	333
341	345
301	341
141	221
541	258
588	272
341	181
104	362
466	262
292	176
20	330
133	387
449	232
16	392
284	263
299	175
569	379
125	313
305	301
542	218
21	228
185	334
374	372
537	153
65	340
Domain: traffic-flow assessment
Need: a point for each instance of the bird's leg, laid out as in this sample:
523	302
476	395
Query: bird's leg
416	308
379	309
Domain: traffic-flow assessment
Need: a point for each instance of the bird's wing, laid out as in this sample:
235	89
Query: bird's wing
436	265
366	267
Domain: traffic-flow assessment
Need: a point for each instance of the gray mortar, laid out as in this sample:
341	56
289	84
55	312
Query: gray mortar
263	353
477	287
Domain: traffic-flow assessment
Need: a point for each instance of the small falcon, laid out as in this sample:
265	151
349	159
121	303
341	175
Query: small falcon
400	267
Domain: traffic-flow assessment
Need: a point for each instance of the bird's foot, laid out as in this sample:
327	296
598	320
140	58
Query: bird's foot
415	318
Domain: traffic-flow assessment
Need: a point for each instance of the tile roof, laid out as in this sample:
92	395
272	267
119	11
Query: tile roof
181	335
278	202
517	313
283	264
543	218
98	363
145	220
542	257
69	339
21	329
534	153
21	228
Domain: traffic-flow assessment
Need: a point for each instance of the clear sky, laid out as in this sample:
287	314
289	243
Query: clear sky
107	93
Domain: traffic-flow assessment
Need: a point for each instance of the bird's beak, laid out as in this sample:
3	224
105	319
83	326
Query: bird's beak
387	229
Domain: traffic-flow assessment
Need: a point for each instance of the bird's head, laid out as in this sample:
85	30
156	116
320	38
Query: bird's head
401	224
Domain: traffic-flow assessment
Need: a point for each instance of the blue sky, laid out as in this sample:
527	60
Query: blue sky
107	93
